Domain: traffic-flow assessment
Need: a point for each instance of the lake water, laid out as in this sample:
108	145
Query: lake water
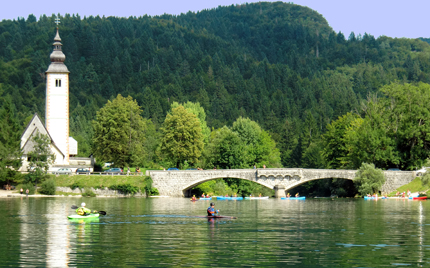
161	232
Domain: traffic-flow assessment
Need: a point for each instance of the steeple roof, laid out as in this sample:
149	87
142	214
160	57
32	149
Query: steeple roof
57	57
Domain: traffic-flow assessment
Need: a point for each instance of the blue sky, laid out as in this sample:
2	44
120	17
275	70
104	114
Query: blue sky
392	18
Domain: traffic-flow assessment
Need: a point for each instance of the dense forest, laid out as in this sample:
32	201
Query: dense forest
279	64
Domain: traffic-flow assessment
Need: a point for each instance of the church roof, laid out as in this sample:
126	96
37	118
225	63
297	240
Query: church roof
34	127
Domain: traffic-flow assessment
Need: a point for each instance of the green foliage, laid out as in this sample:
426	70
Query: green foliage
88	192
118	133
148	187
125	188
48	187
425	179
242	146
76	185
39	159
393	131
369	179
231	186
30	187
10	154
182	138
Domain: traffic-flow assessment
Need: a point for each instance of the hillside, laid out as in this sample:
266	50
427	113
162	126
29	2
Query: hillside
278	63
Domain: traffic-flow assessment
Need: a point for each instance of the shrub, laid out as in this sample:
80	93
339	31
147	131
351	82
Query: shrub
30	187
88	192
369	179
125	188
76	185
48	187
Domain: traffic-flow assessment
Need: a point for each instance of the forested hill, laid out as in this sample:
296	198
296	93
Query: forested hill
279	64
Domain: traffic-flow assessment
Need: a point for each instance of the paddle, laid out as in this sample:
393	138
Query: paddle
99	212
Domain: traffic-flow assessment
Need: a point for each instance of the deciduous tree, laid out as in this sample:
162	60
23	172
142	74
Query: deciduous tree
182	137
118	132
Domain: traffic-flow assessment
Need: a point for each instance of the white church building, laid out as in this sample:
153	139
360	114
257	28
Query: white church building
56	124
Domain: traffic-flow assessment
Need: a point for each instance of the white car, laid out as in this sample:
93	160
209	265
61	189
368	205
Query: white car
421	171
63	171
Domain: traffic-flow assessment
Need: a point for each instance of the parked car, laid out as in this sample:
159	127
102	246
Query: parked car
421	171
63	171
191	168
82	171
393	169
113	170
173	168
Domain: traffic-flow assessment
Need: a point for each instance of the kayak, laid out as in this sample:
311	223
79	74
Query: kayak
216	217
228	198
205	198
256	198
294	198
91	216
418	198
374	198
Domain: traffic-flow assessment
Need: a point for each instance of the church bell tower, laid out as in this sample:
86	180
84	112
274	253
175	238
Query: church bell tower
57	99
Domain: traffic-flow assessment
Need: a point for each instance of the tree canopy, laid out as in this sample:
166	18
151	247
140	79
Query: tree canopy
119	132
182	137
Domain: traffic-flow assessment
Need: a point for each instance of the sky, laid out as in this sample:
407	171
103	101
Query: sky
393	18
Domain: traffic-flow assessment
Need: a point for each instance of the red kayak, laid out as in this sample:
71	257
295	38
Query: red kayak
419	198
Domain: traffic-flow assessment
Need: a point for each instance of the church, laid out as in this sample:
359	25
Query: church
56	126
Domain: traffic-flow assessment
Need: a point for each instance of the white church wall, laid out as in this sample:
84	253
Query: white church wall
73	146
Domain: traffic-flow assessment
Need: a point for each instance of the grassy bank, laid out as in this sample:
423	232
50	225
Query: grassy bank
413	186
97	181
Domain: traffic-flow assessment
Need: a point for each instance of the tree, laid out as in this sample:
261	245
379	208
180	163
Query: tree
199	111
226	150
39	159
369	179
182	137
10	152
118	132
407	109
334	140
260	148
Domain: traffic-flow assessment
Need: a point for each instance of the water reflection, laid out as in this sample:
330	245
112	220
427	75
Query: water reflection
160	233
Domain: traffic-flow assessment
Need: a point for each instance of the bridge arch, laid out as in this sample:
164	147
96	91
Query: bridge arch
187	188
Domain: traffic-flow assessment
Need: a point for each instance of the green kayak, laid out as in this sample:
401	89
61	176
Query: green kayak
91	216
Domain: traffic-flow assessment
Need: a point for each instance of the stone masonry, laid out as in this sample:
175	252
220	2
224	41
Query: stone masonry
177	183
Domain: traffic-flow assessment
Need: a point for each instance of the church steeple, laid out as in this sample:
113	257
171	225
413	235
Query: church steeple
57	99
57	57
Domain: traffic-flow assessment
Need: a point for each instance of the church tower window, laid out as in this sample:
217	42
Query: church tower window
57	82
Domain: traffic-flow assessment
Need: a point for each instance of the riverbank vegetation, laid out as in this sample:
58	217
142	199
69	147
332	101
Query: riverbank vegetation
261	84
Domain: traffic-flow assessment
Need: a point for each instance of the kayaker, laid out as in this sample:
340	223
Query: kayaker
211	210
297	195
194	198
207	196
288	195
203	195
83	210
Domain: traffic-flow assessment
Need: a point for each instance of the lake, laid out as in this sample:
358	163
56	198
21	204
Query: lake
164	232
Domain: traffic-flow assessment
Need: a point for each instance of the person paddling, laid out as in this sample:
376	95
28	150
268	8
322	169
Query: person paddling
211	210
83	210
194	198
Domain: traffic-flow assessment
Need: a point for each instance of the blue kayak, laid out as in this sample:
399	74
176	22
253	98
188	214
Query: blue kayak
294	198
205	198
228	198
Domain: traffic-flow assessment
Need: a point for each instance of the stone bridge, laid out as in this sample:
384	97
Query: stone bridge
178	183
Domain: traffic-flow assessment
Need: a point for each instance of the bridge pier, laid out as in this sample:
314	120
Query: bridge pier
279	191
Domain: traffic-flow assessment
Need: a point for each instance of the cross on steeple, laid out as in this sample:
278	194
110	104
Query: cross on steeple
57	21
